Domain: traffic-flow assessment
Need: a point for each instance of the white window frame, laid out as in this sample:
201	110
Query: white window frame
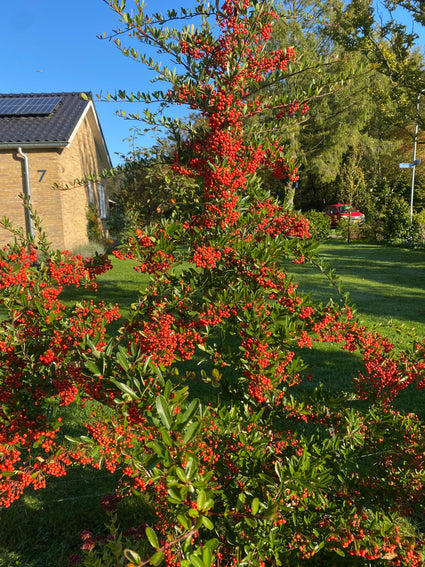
102	201
90	192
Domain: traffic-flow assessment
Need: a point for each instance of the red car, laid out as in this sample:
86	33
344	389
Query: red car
341	211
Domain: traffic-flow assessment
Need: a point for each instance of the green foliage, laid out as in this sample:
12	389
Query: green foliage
375	110
419	227
396	220
320	225
118	221
349	230
94	227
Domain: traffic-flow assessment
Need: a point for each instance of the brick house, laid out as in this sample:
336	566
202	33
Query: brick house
48	139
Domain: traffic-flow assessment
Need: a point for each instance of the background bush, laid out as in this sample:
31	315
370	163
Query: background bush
320	225
396	220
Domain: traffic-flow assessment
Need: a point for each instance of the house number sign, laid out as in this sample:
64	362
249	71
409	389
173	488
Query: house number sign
42	173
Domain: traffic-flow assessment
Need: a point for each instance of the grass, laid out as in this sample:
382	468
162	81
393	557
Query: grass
121	286
387	285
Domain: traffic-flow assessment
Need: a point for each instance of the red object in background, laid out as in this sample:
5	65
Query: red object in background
341	211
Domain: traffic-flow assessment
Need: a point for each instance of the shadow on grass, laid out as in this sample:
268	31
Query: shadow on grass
51	520
44	527
383	283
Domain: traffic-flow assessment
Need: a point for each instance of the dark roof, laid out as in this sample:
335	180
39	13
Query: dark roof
53	129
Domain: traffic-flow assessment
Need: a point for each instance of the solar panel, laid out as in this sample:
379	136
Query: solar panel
27	106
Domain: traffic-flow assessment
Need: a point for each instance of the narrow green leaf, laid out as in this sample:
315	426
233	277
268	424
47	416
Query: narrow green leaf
156	558
163	411
166	437
123	361
196	561
152	537
191	468
207	523
190	411
124	388
201	499
190	433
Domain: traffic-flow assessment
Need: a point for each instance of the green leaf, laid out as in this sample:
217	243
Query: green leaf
125	388
184	521
156	558
132	556
191	468
152	537
190	433
216	374
181	474
213	543
92	367
207	557
201	499
255	506
123	361
207	523
196	561
166	437
190	411
240	502
251	522
163	411
175	496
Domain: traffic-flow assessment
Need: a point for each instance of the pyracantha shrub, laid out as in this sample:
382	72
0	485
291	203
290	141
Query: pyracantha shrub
204	405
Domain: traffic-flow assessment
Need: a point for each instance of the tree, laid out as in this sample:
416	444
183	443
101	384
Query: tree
369	110
263	473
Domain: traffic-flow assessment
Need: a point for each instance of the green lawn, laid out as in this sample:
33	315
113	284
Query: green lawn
121	286
387	285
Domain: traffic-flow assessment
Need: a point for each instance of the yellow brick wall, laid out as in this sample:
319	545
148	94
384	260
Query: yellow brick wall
43	172
84	157
11	174
62	212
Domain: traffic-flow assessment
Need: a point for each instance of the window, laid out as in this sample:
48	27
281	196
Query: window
90	192
102	201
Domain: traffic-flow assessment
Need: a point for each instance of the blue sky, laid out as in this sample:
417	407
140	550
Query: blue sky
51	46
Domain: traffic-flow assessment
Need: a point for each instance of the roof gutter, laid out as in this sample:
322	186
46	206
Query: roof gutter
33	145
27	195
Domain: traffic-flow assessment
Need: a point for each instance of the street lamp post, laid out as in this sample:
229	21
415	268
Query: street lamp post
415	162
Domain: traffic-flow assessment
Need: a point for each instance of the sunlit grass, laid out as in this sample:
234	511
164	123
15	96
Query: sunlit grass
386	287
385	284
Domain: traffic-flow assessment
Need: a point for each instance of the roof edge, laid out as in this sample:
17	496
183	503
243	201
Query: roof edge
91	106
